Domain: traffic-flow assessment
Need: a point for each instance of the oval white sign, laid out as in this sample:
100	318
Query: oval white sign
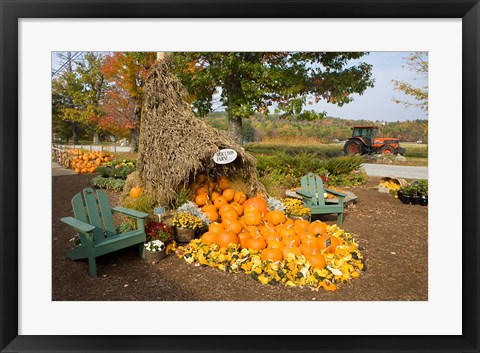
225	156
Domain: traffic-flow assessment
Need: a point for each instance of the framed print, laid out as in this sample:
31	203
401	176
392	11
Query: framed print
36	316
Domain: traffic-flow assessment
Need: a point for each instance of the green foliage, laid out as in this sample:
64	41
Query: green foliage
116	169
144	203
124	228
352	179
108	183
342	165
183	196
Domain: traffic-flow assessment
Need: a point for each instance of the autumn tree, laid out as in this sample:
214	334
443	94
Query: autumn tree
418	63
126	73
250	82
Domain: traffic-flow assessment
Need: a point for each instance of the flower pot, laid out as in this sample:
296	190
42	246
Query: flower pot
423	200
184	235
415	200
154	257
405	199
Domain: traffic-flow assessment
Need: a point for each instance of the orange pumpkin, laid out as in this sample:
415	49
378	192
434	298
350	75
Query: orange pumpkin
301	224
209	238
251	216
230	214
211	215
232	225
269	237
317	260
271	254
134	192
219	202
257	243
201	190
258	202
334	242
208	208
244	238
275	245
239	197
215	227
215	195
238	208
225	238
201	199
228	194
275	217
291	250
317	227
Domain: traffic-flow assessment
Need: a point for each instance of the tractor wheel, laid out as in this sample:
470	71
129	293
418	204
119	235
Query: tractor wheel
353	147
387	150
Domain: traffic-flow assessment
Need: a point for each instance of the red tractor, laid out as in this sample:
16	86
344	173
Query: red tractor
364	140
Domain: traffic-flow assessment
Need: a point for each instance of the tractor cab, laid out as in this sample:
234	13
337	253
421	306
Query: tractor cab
367	133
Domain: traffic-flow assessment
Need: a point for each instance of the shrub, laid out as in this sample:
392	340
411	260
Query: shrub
144	203
108	183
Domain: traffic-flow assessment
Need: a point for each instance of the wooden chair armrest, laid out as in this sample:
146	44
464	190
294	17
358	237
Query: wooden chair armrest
336	193
78	225
129	212
304	193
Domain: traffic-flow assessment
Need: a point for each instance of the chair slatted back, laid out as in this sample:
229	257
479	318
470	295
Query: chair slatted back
94	208
314	185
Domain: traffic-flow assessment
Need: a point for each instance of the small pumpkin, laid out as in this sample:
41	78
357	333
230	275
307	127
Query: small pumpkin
211	215
317	227
215	227
201	199
275	217
244	238
251	216
257	243
209	238
239	197
258	202
271	254
317	260
228	194
219	202
291	251
232	225
225	238
134	192
238	208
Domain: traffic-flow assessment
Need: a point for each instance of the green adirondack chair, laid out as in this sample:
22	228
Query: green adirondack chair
98	236
312	193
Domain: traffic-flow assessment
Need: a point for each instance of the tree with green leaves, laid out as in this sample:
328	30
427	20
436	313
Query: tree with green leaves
418	63
77	94
286	82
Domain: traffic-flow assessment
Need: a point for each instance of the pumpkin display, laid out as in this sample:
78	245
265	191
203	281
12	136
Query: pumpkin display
136	192
86	162
225	238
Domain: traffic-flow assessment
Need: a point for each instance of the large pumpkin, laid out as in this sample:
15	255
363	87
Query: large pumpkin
258	202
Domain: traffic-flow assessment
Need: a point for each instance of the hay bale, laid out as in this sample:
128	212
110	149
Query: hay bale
175	146
131	181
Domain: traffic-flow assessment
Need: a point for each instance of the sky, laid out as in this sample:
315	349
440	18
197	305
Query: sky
376	103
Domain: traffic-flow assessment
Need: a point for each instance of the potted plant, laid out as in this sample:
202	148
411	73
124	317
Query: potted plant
423	190
159	230
414	193
154	251
404	194
185	225
294	209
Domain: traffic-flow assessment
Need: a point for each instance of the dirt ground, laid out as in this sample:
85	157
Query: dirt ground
394	237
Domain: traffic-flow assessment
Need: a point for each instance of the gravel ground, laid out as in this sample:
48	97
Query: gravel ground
394	236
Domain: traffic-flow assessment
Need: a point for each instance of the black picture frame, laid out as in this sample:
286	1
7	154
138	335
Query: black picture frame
12	11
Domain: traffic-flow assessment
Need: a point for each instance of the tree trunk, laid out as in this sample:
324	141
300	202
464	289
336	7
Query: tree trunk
96	138
235	128
74	133
135	131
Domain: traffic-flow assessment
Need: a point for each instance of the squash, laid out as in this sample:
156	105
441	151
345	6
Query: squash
135	192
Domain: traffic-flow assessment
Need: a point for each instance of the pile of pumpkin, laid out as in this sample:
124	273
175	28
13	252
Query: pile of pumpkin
245	236
82	161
